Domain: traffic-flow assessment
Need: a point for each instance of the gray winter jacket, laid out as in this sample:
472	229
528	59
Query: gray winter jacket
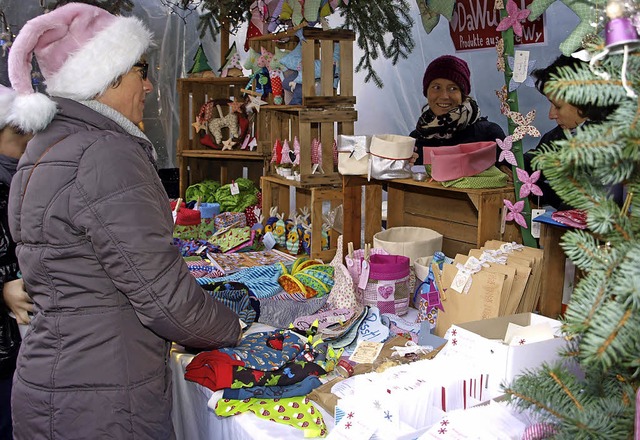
94	234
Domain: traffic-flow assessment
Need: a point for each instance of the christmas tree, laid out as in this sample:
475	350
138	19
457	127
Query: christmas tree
602	322
200	64
232	65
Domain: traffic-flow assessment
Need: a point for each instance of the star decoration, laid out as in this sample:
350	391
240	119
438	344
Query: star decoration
528	183
199	126
515	212
523	125
528	80
589	17
228	144
254	103
513	18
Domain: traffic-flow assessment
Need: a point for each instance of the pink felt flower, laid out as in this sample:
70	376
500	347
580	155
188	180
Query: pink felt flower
513	18
515	212
528	183
506	154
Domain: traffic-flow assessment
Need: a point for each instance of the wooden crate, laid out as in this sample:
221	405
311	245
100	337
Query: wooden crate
307	124
318	45
466	218
277	192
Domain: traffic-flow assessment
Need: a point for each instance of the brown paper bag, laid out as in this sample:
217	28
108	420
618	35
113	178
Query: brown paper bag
482	301
510	273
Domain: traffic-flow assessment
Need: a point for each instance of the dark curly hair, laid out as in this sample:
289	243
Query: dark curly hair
542	76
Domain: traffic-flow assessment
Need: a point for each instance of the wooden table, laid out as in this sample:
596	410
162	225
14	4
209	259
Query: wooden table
466	218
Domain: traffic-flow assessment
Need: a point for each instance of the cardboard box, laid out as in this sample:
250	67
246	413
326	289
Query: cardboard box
480	345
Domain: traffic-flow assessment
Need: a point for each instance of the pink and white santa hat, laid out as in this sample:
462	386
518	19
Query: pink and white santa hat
80	49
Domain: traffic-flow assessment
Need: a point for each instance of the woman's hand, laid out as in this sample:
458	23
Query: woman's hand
17	300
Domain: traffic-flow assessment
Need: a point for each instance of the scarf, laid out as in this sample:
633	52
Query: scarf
445	126
126	125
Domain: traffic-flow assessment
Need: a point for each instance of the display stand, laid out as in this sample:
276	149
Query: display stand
466	218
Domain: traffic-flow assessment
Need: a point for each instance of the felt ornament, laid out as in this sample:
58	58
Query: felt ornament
204	115
591	21
292	10
514	212
249	143
251	62
311	10
528	80
227	144
293	61
271	221
514	16
229	121
500	50
201	65
293	238
276	87
276	63
276	152
262	81
524	126
258	225
528	183
275	9
316	155
232	65
265	58
296	151
503	97
254	103
252	31
306	238
279	230
431	10
506	154
285	158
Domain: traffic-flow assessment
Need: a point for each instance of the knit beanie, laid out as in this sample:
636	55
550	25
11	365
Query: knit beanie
451	68
80	49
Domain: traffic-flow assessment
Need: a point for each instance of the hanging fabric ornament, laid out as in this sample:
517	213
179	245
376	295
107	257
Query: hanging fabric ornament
276	153
296	151
500	50
286	157
316	156
229	121
513	19
276	87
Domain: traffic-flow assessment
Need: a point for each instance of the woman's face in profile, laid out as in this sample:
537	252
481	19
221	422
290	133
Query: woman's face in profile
129	95
566	115
443	95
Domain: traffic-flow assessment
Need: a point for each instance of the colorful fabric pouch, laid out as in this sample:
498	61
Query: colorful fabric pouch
310	277
187	224
575	218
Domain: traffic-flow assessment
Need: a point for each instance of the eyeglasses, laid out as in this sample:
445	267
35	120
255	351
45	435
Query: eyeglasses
144	69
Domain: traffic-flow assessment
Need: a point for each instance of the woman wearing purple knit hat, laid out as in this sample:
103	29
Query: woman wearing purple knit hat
451	116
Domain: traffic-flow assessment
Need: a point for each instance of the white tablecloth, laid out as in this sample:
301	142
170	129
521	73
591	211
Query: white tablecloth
194	420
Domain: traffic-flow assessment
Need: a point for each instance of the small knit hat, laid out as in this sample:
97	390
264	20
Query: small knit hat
451	68
81	50
7	96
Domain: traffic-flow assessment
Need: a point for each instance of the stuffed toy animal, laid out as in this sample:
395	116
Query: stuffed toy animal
271	221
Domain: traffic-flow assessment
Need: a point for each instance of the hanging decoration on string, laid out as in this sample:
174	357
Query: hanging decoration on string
182	8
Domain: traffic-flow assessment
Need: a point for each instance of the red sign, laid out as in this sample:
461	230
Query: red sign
474	23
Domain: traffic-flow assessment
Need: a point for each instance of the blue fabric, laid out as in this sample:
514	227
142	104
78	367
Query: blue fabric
302	388
266	351
261	280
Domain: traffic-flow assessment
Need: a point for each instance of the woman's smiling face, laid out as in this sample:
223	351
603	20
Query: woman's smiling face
443	95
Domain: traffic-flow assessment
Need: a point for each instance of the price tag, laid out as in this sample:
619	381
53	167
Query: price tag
364	275
234	189
359	151
535	226
460	280
521	66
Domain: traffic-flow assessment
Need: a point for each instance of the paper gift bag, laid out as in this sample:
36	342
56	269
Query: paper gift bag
481	302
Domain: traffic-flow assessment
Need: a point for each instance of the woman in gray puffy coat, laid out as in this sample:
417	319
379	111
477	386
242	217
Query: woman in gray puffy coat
93	228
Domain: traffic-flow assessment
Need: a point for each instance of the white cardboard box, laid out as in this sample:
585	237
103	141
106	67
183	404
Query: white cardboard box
479	344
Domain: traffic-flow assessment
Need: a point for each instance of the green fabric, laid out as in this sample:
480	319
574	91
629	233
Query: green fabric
490	178
298	412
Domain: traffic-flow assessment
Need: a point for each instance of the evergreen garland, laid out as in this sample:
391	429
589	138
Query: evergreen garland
603	316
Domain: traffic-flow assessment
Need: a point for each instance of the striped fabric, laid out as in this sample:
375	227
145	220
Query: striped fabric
261	280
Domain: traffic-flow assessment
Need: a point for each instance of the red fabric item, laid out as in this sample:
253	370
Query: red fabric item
575	218
173	205
212	369
188	217
207	141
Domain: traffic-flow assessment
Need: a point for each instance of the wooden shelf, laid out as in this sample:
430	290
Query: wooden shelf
226	154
